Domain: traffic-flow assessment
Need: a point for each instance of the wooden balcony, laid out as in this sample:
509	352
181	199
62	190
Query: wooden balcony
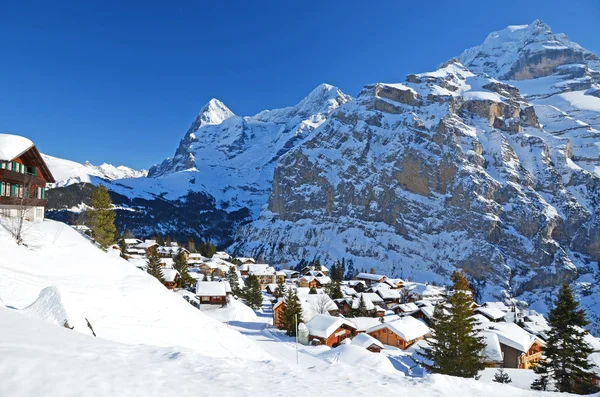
28	202
17	177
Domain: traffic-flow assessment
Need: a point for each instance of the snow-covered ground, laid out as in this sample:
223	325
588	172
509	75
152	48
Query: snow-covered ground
151	342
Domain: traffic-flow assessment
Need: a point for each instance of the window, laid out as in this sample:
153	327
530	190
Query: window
2	189
39	213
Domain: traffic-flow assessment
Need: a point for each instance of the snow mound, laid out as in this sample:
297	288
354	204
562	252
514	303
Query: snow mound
234	311
357	356
56	308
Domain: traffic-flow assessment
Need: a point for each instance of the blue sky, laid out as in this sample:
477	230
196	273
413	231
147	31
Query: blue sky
121	81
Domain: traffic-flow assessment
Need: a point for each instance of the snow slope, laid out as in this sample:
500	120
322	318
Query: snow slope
39	359
60	274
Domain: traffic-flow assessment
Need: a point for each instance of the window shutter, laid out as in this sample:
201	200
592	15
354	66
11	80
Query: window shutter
13	190
34	170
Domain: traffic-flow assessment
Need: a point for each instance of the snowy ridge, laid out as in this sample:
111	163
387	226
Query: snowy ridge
67	172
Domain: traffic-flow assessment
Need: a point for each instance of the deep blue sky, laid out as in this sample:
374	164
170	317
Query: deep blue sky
121	81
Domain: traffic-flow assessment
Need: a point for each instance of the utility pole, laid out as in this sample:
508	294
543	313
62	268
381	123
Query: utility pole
296	317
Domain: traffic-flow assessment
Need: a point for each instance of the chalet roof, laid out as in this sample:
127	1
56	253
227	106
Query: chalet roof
496	305
169	275
408	307
510	334
349	291
491	312
243	259
425	290
144	245
387	293
12	146
407	328
364	323
260	269
366	341
221	255
131	241
492	351
369	276
211	288
290	272
323	325
370	296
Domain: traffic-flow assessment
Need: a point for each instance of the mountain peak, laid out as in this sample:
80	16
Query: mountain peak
522	52
214	112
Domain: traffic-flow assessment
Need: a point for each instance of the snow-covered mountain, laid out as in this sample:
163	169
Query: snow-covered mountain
232	158
219	177
489	163
67	172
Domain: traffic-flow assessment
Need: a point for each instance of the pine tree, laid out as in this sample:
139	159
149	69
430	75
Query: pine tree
180	264
502	377
334	290
123	248
233	278
361	310
153	266
566	352
312	291
291	313
252	292
351	273
190	245
127	233
317	264
102	217
455	347
280	290
542	382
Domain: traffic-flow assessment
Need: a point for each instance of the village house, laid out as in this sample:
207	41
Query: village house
491	313
23	178
312	304
389	295
314	279
405	309
356	285
400	333
519	348
170	252
369	278
492	353
368	342
212	292
290	274
195	259
145	247
312	268
329	330
171	276
419	291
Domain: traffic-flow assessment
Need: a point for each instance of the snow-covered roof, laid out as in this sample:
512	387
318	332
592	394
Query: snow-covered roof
290	272
369	276
169	275
260	269
366	341
364	323
211	288
496	305
145	245
370	296
408	328
12	146
408	307
492	351
491	312
349	291
425	290
480	318
221	255
510	334
131	241
313	304
243	259
323	325
387	293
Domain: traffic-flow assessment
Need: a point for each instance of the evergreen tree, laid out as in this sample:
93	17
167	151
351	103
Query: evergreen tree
291	313
317	264
334	290
566	352
252	292
280	290
312	291
212	276
361	310
153	266
191	245
234	280
501	377
127	233
180	264
301	265
123	248
351	273
455	347
542	382
168	241
102	217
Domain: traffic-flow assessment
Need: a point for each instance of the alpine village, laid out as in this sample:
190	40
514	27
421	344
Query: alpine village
96	253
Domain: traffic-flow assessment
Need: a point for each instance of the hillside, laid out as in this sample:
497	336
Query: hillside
455	167
122	303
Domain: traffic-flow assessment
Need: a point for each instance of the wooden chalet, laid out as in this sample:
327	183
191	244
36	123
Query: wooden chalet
171	277
368	342
400	333
329	330
520	349
211	292
23	178
369	278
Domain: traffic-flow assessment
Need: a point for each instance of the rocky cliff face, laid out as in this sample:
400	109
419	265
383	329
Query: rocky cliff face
489	163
